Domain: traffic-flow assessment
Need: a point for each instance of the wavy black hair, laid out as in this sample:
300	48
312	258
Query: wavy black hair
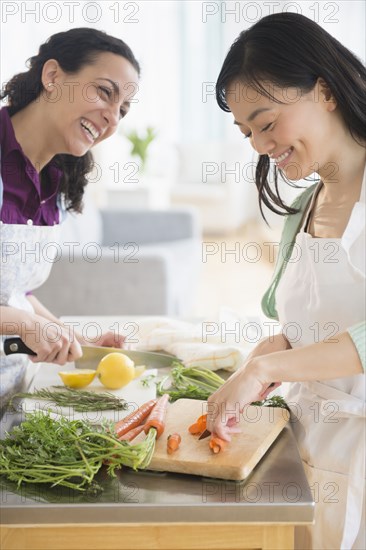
290	50
73	49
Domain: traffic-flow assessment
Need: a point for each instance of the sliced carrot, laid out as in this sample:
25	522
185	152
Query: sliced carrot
135	418
157	416
129	436
194	429
199	426
202	422
216	444
173	443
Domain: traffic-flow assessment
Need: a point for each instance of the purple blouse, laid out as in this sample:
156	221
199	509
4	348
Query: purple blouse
24	199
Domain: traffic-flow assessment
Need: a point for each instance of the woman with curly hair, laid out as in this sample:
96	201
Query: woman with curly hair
77	89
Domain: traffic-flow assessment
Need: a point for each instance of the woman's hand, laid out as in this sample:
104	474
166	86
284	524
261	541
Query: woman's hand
49	340
109	340
226	404
242	388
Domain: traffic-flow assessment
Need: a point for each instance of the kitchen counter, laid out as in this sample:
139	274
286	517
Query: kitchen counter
157	510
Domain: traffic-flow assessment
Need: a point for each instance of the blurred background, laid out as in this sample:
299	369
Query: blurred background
197	163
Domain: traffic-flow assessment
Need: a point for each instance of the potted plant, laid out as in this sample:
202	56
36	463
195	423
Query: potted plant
140	145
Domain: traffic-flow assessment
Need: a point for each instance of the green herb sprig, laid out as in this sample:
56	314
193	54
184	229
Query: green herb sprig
190	382
79	400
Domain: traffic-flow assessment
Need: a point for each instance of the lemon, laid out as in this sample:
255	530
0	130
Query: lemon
116	370
139	370
77	379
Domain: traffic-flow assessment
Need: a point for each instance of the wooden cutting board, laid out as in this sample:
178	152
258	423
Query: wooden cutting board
260	427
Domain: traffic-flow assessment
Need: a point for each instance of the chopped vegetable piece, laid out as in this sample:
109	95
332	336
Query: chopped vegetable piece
135	418
217	444
173	443
194	429
157	416
199	426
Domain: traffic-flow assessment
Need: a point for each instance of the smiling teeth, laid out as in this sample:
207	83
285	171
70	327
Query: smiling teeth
283	156
89	126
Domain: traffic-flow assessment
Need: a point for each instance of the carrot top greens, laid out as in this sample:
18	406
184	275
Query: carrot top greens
68	453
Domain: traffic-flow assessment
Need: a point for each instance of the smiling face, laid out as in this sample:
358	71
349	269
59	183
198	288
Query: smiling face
84	109
296	133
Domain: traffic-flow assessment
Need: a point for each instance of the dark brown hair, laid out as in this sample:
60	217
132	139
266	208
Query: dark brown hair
290	50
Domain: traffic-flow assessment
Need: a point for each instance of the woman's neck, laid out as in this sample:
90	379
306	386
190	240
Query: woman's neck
27	124
342	175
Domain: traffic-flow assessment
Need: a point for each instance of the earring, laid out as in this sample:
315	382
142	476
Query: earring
50	84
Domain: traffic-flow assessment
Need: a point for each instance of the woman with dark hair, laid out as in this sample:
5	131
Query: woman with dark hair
77	88
299	96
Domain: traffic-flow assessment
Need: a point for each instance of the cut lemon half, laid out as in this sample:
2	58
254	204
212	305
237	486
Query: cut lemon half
77	379
139	370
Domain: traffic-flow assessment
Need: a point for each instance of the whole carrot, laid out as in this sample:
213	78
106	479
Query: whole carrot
129	436
173	443
157	416
135	418
216	444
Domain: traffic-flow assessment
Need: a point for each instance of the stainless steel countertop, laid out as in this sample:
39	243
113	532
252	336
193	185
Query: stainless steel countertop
276	491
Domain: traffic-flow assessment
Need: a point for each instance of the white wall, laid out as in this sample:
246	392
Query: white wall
181	45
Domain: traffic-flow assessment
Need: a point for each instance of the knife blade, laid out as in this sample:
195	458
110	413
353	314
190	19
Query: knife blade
93	354
204	434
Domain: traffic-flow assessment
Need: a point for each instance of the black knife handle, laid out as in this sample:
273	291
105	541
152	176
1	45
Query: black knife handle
16	345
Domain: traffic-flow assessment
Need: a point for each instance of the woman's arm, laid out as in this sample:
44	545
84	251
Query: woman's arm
322	361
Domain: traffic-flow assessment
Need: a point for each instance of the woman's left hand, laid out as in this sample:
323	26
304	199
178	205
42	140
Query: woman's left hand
108	340
226	404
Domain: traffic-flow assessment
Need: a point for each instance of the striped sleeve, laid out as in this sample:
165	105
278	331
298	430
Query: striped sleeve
358	335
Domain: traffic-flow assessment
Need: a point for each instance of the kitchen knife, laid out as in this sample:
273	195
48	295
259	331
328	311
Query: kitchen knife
93	354
204	434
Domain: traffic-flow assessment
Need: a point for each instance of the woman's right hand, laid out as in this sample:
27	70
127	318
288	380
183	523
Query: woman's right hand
52	342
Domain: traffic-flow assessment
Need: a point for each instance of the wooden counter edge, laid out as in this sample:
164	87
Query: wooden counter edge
148	536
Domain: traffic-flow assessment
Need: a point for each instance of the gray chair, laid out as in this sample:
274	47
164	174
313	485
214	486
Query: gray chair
146	262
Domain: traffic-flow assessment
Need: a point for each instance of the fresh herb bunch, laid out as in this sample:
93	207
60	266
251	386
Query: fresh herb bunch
200	383
68	453
190	382
80	400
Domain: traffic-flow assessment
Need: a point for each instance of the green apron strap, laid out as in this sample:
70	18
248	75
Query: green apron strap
290	229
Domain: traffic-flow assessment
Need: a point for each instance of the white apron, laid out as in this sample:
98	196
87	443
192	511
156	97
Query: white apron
322	293
27	254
